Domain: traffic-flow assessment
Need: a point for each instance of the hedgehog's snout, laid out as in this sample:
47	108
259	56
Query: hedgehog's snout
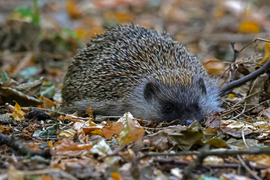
188	122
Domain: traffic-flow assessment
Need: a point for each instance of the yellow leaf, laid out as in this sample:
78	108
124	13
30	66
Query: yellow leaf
50	144
97	132
116	176
231	96
248	27
72	9
18	114
69	133
266	54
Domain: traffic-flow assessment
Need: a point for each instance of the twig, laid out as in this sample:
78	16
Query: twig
233	67
255	106
48	171
115	152
204	152
224	165
244	139
187	173
257	39
241	113
21	148
247	97
247	168
168	154
211	152
241	81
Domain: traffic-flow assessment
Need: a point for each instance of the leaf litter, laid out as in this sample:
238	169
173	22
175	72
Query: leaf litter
128	148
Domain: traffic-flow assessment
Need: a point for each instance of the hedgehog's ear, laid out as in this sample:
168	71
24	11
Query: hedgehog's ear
200	82
150	90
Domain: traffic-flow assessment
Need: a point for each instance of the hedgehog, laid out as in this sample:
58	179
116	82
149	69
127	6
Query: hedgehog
130	68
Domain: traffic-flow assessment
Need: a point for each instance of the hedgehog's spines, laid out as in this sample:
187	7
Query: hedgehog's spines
114	67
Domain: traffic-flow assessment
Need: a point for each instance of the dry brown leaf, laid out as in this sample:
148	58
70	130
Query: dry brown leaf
132	131
112	128
72	9
47	103
90	112
213	66
86	128
67	147
262	159
160	139
265	112
14	174
238	128
35	147
73	118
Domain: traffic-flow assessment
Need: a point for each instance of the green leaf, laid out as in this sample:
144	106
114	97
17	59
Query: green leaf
187	138
48	90
4	77
27	12
28	72
24	11
52	130
70	32
36	14
203	177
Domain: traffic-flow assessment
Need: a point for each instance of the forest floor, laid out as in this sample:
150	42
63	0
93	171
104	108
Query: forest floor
37	42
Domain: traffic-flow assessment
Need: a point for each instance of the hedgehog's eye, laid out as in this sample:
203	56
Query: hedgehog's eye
196	106
168	108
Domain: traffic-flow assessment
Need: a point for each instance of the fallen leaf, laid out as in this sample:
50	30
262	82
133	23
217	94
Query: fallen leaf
72	9
266	56
103	149
47	103
187	137
248	27
33	146
262	159
69	133
18	114
67	147
132	131
213	160
15	174
160	140
90	112
112	128
265	112
116	176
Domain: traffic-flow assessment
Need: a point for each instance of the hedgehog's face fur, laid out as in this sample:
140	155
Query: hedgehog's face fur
186	103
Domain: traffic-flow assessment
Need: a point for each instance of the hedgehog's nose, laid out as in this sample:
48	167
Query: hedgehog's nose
188	122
